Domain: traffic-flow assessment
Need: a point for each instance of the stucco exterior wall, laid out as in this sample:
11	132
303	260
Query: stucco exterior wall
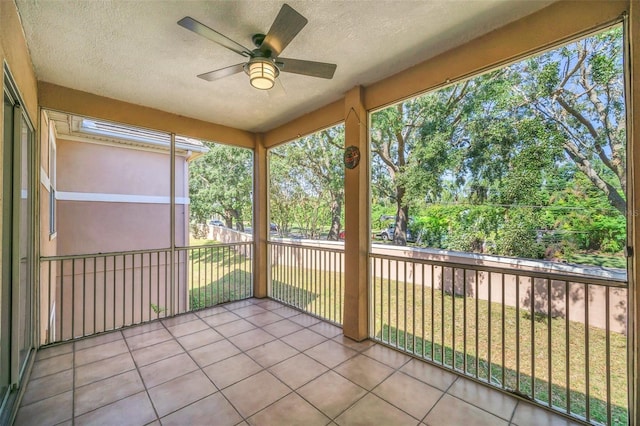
137	183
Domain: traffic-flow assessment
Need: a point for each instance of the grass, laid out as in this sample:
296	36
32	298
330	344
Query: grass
320	293
217	275
600	259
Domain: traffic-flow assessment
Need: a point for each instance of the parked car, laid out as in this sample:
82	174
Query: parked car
387	234
216	223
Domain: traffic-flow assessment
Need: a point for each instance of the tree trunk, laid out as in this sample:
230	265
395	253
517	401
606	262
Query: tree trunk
402	215
239	223
336	211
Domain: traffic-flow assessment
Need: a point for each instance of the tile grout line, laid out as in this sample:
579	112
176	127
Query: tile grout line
438	401
266	369
513	413
137	369
200	368
330	369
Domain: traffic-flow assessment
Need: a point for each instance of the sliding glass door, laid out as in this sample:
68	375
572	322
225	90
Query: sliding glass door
16	295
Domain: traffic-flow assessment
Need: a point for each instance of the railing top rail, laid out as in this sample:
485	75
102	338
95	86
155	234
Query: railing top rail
305	246
134	252
554	276
223	245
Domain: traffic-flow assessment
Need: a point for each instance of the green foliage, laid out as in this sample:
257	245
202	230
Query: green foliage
518	236
307	184
526	161
157	309
220	182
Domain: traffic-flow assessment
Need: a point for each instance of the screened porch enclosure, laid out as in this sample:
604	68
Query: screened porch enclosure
476	263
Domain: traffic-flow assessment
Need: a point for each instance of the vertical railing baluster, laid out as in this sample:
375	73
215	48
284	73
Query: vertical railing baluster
124	289
397	307
608	353
489	326
325	291
566	347
51	327
518	333
133	279
73	298
532	283
433	313
404	296
454	318
141	315
587	353
464	320
549	347
167	290
199	282
374	292
337	277
62	300
158	304
502	332
104	293
442	342
476	327
340	287
84	295
115	290
422	323
150	272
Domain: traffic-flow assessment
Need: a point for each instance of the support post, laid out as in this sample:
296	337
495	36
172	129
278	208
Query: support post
356	246
260	218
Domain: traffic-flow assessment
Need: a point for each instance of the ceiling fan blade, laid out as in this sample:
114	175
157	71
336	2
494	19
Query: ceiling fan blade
287	25
314	69
206	32
222	72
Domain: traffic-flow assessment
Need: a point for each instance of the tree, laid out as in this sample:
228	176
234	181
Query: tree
415	142
512	139
220	182
307	175
579	90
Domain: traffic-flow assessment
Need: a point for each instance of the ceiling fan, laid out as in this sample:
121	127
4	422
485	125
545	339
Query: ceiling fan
264	64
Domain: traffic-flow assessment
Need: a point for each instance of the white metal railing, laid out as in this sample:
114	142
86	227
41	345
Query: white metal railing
308	277
556	339
83	295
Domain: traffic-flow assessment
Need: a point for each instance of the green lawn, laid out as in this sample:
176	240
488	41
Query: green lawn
217	274
601	259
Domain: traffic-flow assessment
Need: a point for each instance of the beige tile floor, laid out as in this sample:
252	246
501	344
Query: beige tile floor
253	362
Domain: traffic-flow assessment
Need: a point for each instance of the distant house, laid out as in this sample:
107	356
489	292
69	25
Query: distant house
106	188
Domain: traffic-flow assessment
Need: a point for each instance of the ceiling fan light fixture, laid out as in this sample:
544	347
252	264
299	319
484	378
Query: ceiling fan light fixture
262	73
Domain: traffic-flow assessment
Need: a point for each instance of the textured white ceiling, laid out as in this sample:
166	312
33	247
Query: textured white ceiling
134	51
